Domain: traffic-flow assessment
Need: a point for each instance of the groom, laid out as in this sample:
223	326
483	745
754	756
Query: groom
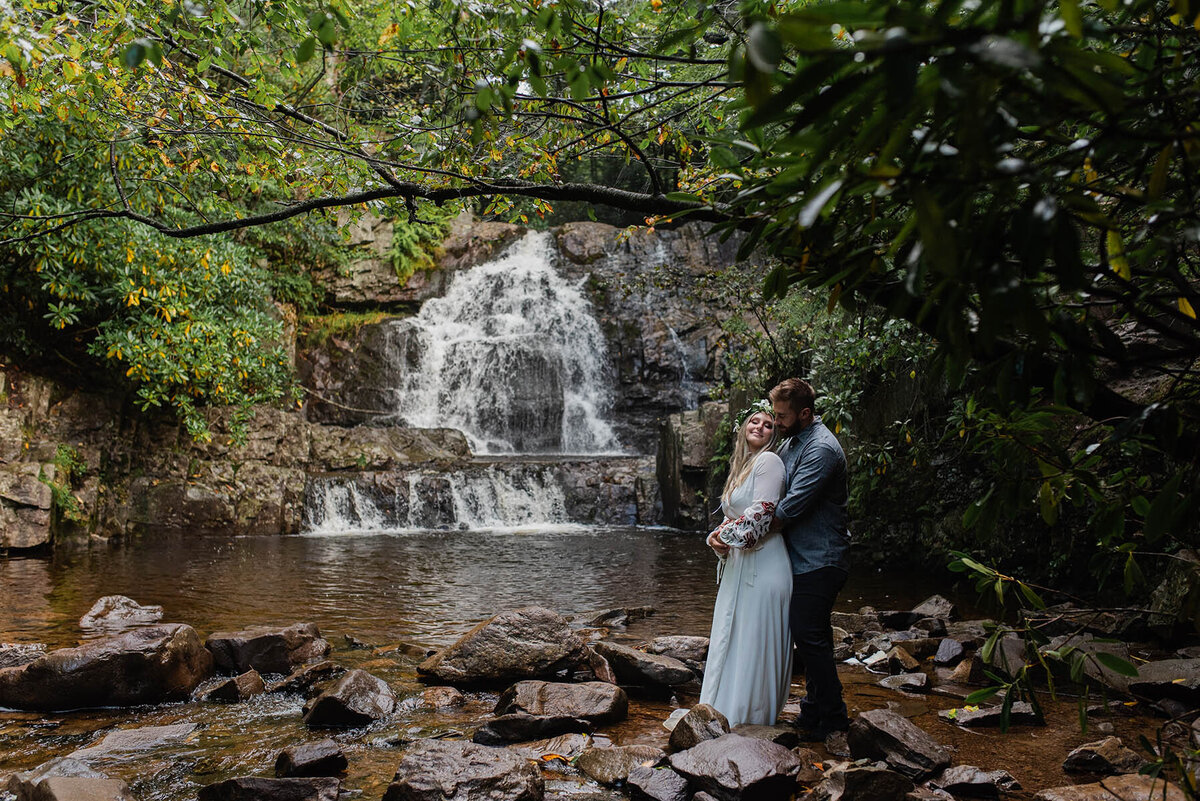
812	516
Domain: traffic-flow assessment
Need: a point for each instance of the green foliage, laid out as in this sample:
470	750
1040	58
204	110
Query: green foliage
316	330
70	469
415	243
188	322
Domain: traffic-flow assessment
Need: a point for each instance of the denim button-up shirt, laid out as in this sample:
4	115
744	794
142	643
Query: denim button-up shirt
813	509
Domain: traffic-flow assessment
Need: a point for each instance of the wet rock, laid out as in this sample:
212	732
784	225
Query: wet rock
733	766
322	758
935	606
899	619
443	697
305	679
596	701
969	671
855	623
17	654
931	626
685	649
148	665
949	653
656	784
436	770
1107	756
267	649
612	765
907	682
885	735
1009	654
901	661
471	242
1129	787
237	689
357	699
970	781
702	722
971	633
810	774
613	617
1090	647
838	744
66	779
1177	679
783	735
1176	601
599	667
253	789
917	646
519	727
73	788
128	741
636	668
565	747
525	643
1174	710
923	793
114	613
864	783
1021	714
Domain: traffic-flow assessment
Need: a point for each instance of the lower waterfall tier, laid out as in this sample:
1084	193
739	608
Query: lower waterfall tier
485	495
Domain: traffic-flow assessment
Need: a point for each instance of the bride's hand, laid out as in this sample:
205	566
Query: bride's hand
714	542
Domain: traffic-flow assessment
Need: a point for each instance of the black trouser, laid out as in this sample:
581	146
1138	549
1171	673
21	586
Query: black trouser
813	595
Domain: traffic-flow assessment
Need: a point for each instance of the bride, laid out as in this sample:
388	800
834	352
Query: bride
749	667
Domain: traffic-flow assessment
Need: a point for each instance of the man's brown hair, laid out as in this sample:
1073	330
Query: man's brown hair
795	392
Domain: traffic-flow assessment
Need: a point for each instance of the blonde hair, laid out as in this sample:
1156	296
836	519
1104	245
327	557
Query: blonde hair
742	461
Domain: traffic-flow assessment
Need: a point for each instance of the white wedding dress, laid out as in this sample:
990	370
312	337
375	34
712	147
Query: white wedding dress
749	667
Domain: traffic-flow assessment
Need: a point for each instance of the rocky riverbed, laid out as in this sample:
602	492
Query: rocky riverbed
532	704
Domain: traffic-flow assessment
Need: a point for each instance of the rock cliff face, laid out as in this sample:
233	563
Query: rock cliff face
77	463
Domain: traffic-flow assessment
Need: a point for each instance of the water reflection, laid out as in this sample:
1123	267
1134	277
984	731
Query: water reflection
427	586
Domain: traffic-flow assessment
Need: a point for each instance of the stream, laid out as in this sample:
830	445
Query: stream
399	594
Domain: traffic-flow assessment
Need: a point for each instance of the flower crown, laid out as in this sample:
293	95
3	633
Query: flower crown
760	405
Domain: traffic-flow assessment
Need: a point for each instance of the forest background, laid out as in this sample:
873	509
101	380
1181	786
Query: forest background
987	210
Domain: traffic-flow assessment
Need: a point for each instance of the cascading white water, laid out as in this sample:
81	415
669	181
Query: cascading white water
493	498
512	356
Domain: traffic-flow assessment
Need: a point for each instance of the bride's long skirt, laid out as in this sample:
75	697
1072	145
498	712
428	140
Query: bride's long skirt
749	667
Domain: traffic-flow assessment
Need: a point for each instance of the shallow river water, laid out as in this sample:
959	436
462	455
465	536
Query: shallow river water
419	589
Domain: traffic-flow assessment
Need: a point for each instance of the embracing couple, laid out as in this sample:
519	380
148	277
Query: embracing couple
783	559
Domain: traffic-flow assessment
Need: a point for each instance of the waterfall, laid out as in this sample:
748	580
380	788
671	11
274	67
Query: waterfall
517	496
512	356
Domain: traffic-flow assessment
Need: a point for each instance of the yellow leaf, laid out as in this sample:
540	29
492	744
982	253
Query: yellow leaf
389	33
62	112
1186	308
1116	256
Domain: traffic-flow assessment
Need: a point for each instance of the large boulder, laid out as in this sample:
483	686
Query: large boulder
448	770
861	783
322	758
734	767
66	779
524	643
656	784
1130	787
596	701
520	727
1103	756
886	735
114	613
1176	679
267	649
132	741
636	668
702	722
358	698
148	665
689	650
254	789
612	765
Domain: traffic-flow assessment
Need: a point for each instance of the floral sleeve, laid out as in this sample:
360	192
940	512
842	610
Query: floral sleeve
746	531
